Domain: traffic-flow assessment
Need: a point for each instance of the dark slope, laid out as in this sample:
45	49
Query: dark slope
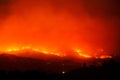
10	62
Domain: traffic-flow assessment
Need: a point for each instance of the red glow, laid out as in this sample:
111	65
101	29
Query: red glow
105	56
44	51
80	53
65	29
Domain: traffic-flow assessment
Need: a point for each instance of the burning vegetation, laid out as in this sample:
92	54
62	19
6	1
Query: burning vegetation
79	53
58	27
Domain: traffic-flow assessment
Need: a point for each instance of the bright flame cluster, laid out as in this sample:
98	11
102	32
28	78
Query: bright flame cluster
105	56
44	51
79	52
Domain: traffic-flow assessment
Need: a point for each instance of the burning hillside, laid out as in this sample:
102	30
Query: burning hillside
59	27
38	53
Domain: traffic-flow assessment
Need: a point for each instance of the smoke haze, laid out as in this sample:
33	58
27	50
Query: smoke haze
60	24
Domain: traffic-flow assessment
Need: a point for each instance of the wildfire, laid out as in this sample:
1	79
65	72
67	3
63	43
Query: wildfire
12	50
105	56
79	52
44	51
84	55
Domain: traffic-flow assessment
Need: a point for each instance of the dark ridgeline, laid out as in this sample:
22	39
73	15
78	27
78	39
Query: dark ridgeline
108	70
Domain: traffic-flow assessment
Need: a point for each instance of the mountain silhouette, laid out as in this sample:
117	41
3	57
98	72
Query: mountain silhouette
10	62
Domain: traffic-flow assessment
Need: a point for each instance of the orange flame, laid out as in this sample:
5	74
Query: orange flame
105	56
79	52
44	51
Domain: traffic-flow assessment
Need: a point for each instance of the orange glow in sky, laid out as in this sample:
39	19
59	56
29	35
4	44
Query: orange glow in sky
56	27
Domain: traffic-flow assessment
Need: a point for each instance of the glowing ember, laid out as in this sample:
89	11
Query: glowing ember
105	56
84	55
28	48
12	50
78	52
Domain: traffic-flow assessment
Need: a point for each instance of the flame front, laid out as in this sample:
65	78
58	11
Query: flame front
78	52
44	51
58	27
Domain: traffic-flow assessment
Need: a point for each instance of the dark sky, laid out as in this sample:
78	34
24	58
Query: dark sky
100	21
108	8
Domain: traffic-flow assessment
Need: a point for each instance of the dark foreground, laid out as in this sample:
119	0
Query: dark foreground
20	68
108	71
